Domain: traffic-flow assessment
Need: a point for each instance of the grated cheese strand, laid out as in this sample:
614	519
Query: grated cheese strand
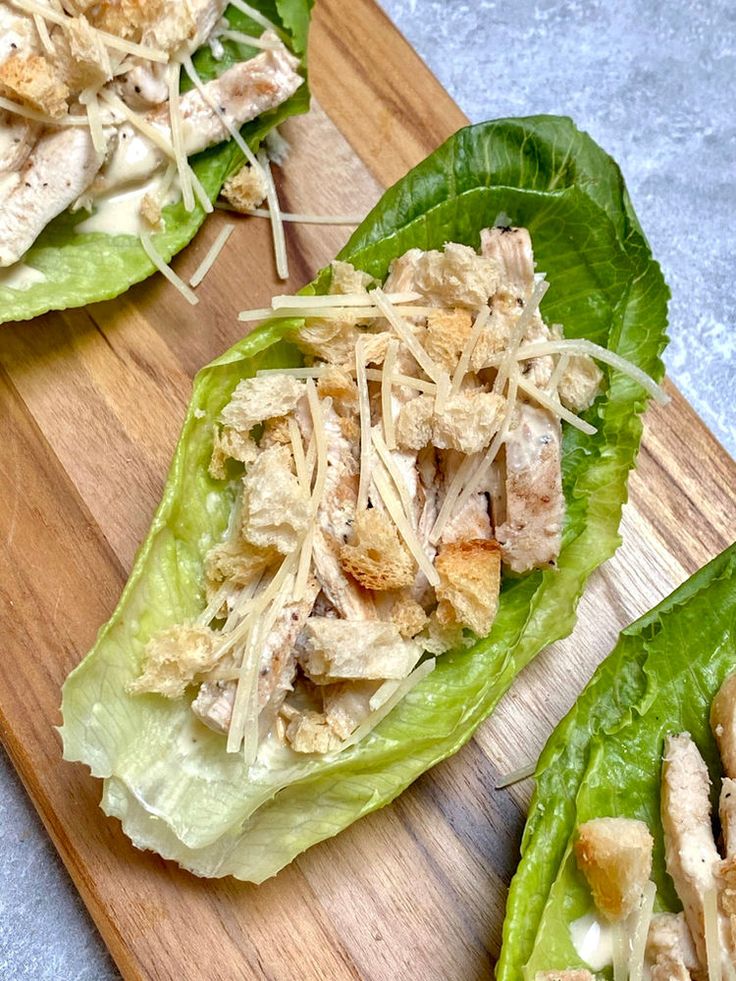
255	15
620	952
420	384
173	76
266	44
152	132
712	938
395	474
305	565
286	301
406	334
516	776
387	412
212	255
304	219
319	441
364	409
554	407
43	33
277	226
641	932
456	485
88	98
556	377
593	350
42	117
159	262
401	690
517	333
394	508
324	313
293	372
467	352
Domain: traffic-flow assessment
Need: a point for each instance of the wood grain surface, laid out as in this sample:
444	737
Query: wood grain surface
91	402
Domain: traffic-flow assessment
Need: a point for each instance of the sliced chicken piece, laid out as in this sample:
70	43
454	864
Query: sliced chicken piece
243	92
690	852
335	519
511	249
348	704
723	723
214	703
727	880
727	814
535	505
670	954
17	138
44	187
340	650
615	856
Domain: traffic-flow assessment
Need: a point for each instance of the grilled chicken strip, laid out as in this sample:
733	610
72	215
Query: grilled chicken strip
691	855
214	703
61	166
670	955
531	533
17	138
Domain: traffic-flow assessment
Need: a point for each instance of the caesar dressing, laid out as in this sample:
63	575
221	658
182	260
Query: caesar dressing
593	941
20	277
118	213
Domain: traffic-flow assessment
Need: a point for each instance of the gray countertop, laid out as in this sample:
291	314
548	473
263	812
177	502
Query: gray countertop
654	82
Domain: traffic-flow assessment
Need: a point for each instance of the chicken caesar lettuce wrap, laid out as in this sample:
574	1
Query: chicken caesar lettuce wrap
119	126
386	499
622	873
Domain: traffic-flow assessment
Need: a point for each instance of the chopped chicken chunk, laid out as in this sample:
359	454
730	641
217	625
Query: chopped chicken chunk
727	814
276	508
214	704
580	383
377	557
347	704
337	384
340	649
309	732
723	723
174	659
615	856
532	531
258	399
470	578
670	955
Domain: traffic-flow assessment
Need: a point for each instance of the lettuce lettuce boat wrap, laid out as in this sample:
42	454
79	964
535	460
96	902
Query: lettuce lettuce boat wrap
52	259
605	759
169	781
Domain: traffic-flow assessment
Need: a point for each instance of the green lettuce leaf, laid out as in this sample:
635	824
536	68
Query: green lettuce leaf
605	759
169	781
86	267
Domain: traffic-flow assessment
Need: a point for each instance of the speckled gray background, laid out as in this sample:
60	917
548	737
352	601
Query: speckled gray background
655	83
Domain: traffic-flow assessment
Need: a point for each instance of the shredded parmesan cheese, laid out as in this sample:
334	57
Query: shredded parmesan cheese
620	952
43	33
467	352
319	441
152	132
324	313
641	932
554	407
212	255
88	98
712	939
265	43
255	15
288	301
420	384
517	333
394	508
442	393
293	372
305	564
403	329
303	219
396	476
173	73
41	117
277	226
516	776
389	427
365	427
166	270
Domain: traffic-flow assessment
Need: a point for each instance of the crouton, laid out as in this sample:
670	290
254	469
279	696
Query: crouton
438	637
337	384
468	421
263	397
173	659
126	18
470	578
230	444
235	562
615	856
408	615
579	383
275	433
670	955
447	332
455	277
414	423
723	723
32	80
494	338
347	279
276	508
150	210
330	340
309	732
377	558
375	347
82	58
246	189
337	650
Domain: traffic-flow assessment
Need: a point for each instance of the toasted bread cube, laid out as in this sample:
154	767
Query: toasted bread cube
377	558
408	615
470	578
615	856
174	659
276	508
246	189
338	650
264	397
468	421
31	79
230	444
447	332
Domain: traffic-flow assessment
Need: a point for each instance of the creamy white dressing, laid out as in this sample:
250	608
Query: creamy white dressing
118	213
135	157
20	277
593	941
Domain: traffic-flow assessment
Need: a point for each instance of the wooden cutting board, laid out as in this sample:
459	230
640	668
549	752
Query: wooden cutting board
92	401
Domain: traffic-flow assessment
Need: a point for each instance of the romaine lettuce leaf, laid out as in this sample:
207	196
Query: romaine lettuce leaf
188	799
86	267
605	759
